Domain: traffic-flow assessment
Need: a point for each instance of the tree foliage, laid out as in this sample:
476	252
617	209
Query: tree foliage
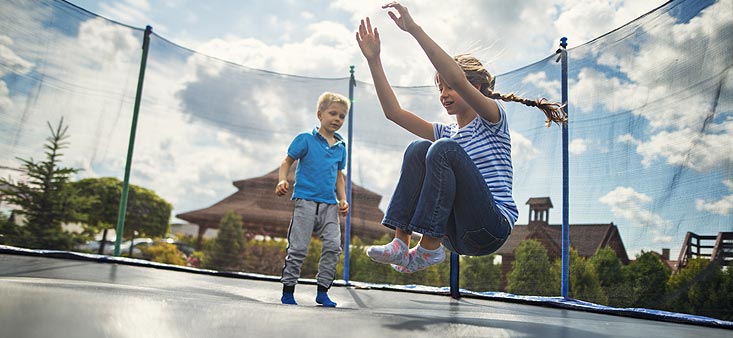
583	279
647	279
531	271
479	273
702	287
610	274
146	212
46	198
227	252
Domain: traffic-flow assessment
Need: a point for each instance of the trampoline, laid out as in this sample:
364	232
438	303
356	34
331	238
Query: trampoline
61	294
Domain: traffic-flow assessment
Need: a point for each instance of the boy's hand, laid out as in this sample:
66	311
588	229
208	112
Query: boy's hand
282	188
343	208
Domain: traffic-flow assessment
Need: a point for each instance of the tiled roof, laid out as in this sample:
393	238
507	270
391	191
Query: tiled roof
264	213
586	238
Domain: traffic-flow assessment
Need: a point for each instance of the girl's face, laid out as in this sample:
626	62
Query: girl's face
451	101
332	118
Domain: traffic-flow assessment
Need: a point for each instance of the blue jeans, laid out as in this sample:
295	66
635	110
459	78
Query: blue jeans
442	194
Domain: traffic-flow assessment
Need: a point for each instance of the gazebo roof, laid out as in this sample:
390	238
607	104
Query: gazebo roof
264	213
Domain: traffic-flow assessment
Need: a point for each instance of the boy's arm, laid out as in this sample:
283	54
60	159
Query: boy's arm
341	193
282	181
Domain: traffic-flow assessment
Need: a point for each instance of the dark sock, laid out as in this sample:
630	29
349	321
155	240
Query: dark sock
288	298
322	298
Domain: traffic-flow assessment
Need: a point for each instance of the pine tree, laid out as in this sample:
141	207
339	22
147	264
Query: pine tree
228	249
47	198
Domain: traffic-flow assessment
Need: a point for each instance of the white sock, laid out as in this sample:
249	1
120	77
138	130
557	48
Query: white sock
420	259
395	252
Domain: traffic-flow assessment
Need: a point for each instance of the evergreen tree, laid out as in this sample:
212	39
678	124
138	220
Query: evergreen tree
46	199
227	251
531	273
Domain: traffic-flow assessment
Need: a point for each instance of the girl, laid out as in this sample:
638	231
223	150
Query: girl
455	186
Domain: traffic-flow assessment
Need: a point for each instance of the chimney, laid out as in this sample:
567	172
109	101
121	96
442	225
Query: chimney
665	253
539	212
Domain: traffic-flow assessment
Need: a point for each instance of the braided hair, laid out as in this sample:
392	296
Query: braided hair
477	74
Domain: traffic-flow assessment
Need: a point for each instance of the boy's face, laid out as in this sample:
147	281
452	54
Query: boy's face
332	118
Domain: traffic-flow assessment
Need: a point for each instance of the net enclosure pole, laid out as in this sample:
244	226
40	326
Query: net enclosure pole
563	58
131	145
347	222
455	291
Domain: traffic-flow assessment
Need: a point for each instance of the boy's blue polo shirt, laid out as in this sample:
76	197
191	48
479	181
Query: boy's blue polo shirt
318	164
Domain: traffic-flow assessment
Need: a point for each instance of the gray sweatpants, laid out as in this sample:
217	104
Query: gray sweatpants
322	220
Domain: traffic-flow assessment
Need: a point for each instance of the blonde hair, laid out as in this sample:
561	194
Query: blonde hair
328	98
477	74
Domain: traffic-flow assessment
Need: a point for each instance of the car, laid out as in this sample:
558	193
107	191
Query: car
138	244
185	248
93	246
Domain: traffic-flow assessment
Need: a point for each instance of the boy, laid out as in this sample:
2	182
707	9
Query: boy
319	194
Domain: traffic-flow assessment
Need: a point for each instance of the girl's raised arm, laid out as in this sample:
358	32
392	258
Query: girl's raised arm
369	44
450	72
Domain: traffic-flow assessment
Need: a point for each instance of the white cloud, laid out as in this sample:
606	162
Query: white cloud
522	150
10	60
550	88
686	147
723	207
655	79
5	102
578	146
627	203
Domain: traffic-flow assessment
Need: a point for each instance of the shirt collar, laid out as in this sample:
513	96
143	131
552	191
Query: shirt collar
339	138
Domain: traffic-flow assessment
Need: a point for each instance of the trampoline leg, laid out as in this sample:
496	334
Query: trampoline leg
455	293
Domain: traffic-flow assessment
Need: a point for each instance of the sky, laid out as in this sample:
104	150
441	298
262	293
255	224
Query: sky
651	120
290	37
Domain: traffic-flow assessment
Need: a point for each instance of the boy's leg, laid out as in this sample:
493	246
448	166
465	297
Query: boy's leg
299	235
329	231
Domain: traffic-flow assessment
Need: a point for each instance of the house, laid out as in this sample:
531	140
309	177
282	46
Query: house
585	238
263	213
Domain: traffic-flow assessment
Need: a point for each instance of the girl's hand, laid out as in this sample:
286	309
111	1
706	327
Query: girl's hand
368	40
404	21
282	188
343	208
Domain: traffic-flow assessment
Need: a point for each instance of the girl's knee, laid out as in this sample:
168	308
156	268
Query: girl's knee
443	146
444	143
417	149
